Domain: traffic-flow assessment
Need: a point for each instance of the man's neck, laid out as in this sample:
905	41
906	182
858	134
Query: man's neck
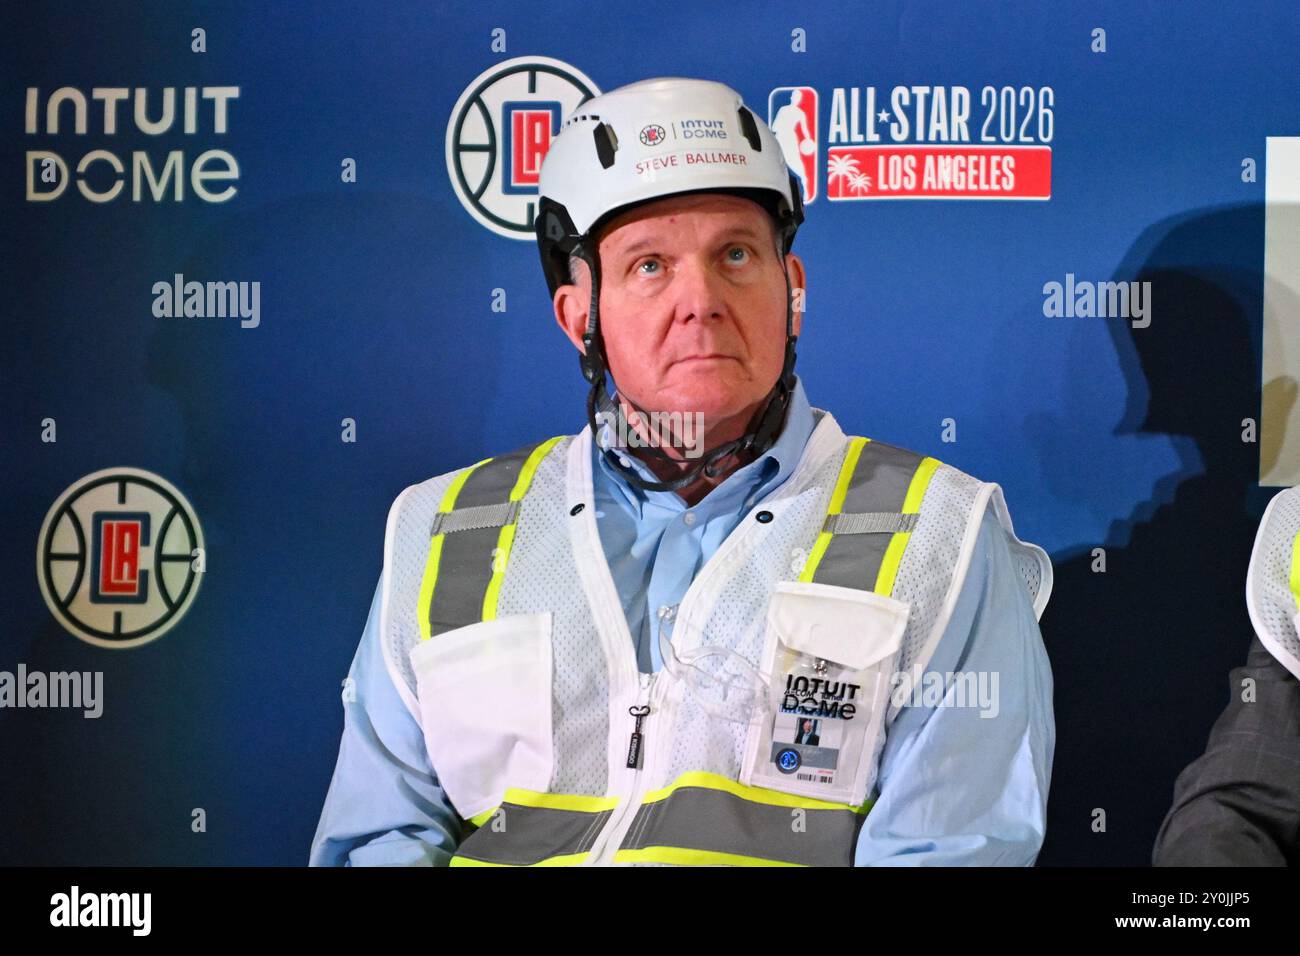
668	468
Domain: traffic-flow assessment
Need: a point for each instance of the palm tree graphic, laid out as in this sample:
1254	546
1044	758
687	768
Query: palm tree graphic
844	166
859	183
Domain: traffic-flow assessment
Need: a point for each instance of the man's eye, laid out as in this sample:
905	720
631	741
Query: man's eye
742	250
649	262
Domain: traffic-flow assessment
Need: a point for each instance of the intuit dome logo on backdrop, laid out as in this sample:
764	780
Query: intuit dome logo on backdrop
918	142
80	131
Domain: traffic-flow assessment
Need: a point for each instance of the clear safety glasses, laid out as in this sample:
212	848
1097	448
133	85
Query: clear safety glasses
725	684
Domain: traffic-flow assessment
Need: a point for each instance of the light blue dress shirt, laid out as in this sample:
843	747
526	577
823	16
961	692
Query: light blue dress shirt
959	785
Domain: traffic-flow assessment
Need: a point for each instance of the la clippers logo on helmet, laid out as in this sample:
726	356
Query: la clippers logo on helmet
499	133
792	114
119	557
653	135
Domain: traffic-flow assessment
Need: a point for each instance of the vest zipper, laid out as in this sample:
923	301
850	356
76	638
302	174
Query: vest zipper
607	842
611	618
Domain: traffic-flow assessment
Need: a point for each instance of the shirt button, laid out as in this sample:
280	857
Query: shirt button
689	518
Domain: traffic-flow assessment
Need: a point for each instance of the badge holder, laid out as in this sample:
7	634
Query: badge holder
831	651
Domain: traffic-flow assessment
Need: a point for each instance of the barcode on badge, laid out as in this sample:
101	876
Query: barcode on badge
813	778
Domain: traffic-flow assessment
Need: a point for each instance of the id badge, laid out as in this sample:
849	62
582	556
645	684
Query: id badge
829	652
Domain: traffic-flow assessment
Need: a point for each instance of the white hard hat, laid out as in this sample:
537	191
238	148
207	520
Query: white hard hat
648	140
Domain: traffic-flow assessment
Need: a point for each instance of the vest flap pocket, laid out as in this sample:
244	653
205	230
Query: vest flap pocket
853	628
827	657
484	695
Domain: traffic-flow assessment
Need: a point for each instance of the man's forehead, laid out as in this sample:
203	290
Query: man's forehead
720	215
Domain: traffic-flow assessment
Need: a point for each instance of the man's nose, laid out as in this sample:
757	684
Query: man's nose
700	290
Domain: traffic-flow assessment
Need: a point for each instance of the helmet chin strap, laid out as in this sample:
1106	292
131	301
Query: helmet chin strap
758	439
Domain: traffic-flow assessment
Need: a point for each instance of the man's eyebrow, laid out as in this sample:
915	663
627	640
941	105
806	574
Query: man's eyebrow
731	232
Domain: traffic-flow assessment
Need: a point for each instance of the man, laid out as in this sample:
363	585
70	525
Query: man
1239	803
806	735
578	653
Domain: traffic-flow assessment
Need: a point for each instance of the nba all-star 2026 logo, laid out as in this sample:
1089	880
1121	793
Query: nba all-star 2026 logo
119	557
917	142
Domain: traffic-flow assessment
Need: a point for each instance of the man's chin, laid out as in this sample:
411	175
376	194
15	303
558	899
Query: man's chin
711	399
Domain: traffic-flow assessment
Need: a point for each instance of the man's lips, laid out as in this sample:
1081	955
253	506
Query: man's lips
709	357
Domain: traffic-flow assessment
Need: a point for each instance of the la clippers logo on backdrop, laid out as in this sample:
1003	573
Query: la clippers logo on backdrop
922	142
528	137
499	133
119	557
115	574
792	114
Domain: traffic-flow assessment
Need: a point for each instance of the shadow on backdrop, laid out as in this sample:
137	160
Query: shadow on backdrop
1141	651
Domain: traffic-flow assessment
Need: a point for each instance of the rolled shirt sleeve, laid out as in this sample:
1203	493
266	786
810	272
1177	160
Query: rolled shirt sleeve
384	806
967	785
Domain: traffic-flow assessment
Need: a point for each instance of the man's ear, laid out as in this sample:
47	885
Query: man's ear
572	303
799	288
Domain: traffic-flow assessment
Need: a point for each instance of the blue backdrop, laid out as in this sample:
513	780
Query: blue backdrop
377	305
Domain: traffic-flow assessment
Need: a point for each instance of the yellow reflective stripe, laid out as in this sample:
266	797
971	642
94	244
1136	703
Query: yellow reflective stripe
566	859
579	802
1295	569
837	503
530	467
684	857
559	801
500	555
435	549
898	543
713	781
506	539
479	819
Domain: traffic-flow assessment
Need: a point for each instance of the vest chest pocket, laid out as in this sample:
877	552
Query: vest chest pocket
484	692
828	657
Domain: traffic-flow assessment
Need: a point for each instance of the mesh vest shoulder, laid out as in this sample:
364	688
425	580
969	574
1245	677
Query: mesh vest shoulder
1273	579
522	671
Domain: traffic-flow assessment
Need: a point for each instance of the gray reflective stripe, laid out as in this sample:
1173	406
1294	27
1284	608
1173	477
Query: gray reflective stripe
472	519
492	482
523	836
879	484
869	522
464	572
701	818
465	565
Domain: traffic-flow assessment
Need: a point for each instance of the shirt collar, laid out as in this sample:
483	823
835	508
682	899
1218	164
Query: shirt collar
768	471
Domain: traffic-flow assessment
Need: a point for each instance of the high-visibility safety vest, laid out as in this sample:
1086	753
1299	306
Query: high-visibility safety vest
505	636
1273	579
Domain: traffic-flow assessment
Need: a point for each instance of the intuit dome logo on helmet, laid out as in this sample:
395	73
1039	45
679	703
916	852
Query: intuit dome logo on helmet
499	132
119	557
75	137
918	142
